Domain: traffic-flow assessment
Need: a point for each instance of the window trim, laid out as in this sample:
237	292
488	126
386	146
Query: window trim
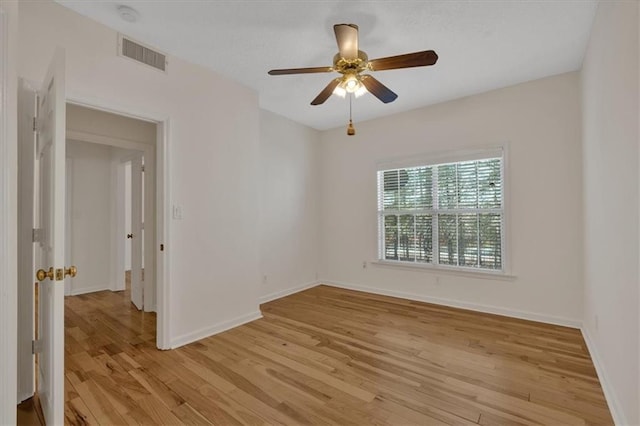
447	157
442	157
462	271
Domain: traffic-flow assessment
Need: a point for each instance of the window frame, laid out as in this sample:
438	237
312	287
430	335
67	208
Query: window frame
434	160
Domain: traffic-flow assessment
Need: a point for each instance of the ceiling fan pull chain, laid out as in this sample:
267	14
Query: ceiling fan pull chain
350	129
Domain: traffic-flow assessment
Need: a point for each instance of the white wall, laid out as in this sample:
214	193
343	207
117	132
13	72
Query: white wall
539	122
610	135
213	160
91	196
8	218
289	191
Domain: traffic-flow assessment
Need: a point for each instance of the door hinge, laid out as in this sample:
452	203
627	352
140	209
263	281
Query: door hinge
35	124
142	168
36	235
36	346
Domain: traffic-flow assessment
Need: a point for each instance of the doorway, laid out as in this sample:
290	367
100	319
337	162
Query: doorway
110	199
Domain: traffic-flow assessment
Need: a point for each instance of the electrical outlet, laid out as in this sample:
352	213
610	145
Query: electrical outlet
364	265
264	279
437	280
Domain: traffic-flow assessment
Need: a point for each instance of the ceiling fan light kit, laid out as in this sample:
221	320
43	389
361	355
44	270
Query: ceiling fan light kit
350	83
351	63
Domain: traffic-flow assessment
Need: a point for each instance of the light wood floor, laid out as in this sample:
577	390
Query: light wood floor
29	413
324	356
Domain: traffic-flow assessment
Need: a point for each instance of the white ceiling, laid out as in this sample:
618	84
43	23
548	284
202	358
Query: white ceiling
482	45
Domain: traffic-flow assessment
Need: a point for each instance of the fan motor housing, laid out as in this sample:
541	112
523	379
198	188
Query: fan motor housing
350	66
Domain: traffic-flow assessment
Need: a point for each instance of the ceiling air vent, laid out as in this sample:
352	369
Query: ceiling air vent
138	52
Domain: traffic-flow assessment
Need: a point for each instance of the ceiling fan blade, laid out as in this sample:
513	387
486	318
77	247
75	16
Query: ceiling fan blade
300	70
409	60
378	89
326	92
347	38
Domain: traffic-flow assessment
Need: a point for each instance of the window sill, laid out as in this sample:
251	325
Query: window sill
487	275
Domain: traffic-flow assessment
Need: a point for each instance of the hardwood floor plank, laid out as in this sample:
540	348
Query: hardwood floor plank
158	389
125	381
76	412
188	416
540	414
503	419
314	373
243	414
202	404
157	412
98	404
566	401
433	416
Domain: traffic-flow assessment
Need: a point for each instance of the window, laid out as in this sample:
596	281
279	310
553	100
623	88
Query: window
449	214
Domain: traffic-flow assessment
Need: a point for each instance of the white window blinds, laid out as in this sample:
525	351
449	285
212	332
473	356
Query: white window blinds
443	214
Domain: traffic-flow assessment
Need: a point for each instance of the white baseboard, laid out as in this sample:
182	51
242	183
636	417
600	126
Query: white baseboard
117	287
531	316
609	393
282	293
214	329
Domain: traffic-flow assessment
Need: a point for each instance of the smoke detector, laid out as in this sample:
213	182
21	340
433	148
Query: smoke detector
129	14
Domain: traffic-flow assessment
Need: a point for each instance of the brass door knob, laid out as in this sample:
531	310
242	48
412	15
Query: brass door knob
71	271
129	235
41	274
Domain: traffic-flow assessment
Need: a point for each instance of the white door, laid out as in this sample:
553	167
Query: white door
50	254
137	240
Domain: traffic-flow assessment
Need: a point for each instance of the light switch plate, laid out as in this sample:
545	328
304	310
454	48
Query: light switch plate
177	212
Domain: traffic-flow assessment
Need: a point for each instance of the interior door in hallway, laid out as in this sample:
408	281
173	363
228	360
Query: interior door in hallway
137	229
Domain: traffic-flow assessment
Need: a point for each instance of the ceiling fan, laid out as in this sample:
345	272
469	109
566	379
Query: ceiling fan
352	62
